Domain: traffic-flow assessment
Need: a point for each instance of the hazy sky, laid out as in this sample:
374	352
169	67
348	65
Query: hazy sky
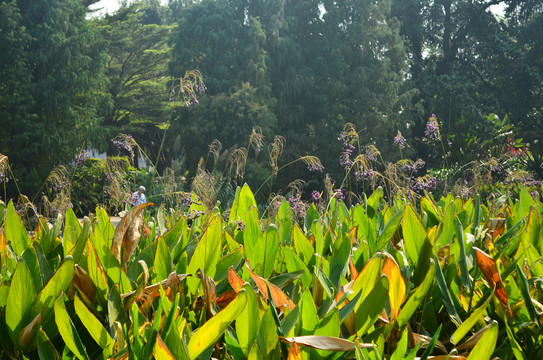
108	6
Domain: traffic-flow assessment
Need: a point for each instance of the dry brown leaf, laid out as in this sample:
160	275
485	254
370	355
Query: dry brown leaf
496	226
127	233
474	339
83	282
280	299
154	287
28	333
225	299
235	281
492	276
328	343
294	352
446	357
424	341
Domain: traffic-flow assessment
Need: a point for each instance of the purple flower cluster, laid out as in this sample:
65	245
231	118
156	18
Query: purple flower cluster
315	197
363	174
298	207
338	194
348	148
370	153
432	129
422	184
122	145
316	167
400	141
78	161
414	168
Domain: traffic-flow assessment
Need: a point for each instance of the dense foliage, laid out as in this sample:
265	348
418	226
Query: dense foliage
297	69
397	279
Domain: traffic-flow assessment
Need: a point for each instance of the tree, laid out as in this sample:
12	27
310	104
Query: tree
58	69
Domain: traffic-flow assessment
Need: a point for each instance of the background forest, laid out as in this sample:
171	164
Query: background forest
349	82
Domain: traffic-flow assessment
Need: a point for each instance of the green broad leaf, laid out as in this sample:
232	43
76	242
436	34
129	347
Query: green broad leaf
97	274
137	345
448	227
529	249
515	347
311	215
252	231
525	290
177	344
446	295
267	336
486	345
340	258
327	285
295	264
388	231
414	234
50	235
59	283
45	270
94	327
105	227
20	297
309	320
243	200
329	326
67	330
77	251
109	262
431	345
207	253
115	307
367	278
248	322
231	259
284	279
470	322
208	334
375	198
462	262
31	260
14	230
163	264
476	214
523	205
262	258
371	307
46	349
288	322
416	298
284	221
401	347
434	217
4	292
302	246
72	230
174	236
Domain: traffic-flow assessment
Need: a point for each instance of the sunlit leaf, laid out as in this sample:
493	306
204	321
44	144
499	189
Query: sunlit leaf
235	281
486	343
21	295
211	331
14	230
279	298
67	330
294	352
93	326
396	285
414	234
470	322
490	271
328	343
248	322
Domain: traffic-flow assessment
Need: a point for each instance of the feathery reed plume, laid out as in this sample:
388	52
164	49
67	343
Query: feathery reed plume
313	163
215	149
238	157
328	187
60	186
256	140
203	185
350	132
276	151
188	87
125	142
297	187
4	167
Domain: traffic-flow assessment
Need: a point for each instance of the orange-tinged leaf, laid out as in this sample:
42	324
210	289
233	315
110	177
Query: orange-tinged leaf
352	267
396	285
496	226
161	351
280	299
29	332
235	281
328	343
226	298
127	234
492	276
294	352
